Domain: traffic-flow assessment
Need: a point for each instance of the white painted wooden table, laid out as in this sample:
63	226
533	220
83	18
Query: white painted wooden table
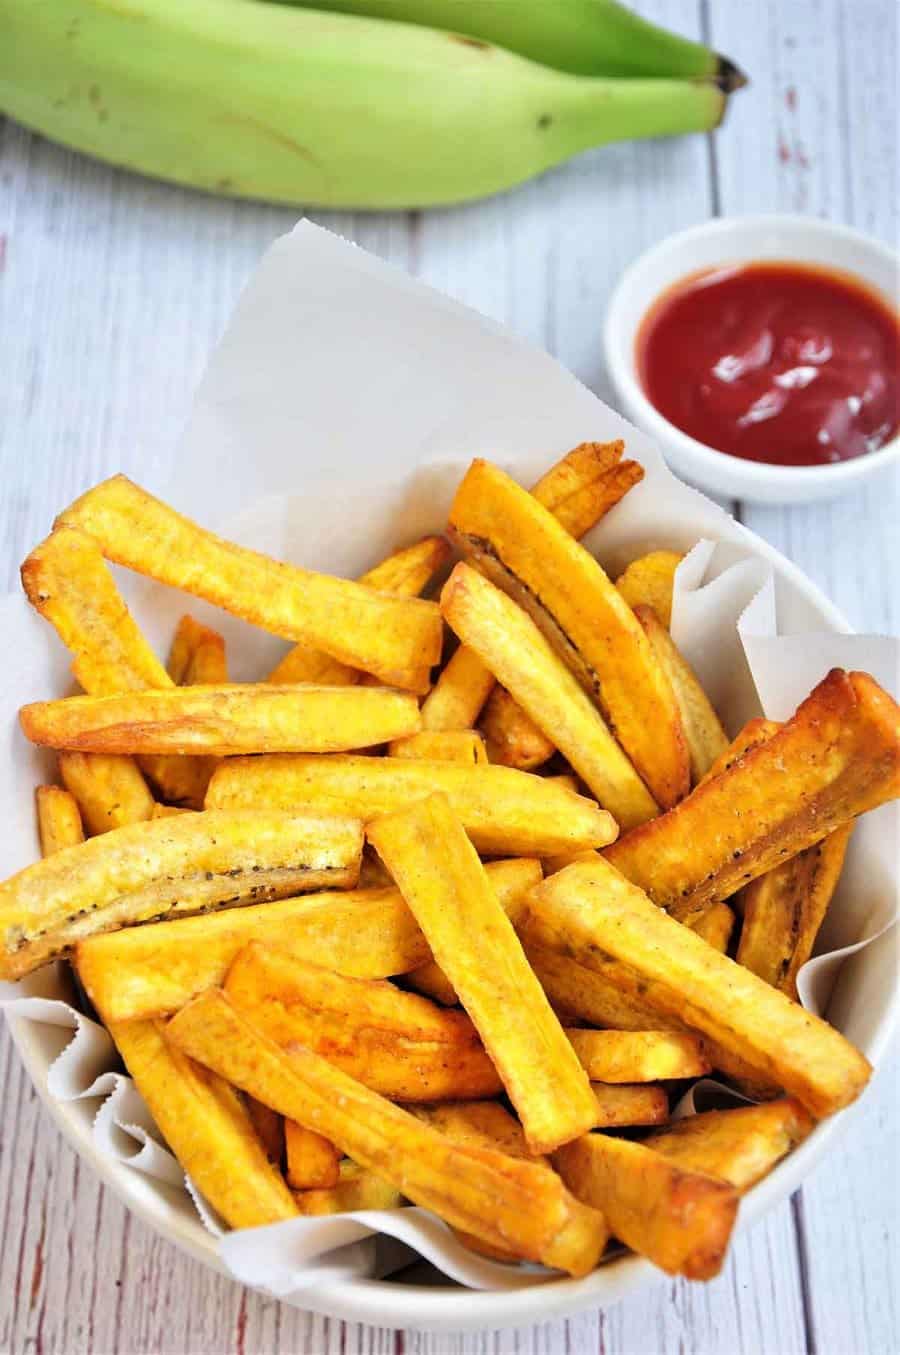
113	291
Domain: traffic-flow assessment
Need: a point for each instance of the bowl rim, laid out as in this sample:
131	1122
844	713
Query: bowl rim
619	333
439	1307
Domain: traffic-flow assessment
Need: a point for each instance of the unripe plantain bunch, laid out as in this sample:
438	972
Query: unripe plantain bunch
353	103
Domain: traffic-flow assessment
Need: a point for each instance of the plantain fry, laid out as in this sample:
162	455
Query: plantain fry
58	818
784	909
430	980
715	924
740	1146
623	1105
207	1126
681	1220
269	1126
312	1161
109	789
639	1055
442	745
594	914
396	1043
356	1188
231	719
838	756
456	699
582	488
513	739
197	655
405	573
426	849
649	582
504	811
398	639
703	732
754	732
366	933
520	546
513	1204
513	648
168	866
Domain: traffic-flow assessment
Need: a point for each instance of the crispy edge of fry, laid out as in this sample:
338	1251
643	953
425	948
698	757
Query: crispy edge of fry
582	615
426	849
311	1161
740	1145
153	970
512	737
594	912
108	788
269	1126
784	909
441	745
512	646
357	1188
838	756
623	1056
715	924
753	733
580	513
572	473
207	1126
703	732
623	1104
508	1202
649	581
232	718
58	819
681	1220
197	654
456	699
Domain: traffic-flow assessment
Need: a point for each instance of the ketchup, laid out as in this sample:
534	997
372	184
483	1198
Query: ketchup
774	362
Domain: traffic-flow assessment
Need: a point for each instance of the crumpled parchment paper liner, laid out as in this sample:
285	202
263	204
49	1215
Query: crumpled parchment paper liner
429	385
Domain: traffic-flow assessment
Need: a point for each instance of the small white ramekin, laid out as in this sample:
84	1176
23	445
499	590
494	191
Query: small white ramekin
740	240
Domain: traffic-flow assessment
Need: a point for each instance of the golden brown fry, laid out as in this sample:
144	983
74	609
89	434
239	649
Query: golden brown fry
519	545
236	718
313	1162
502	810
207	1126
583	466
595	914
67	581
439	874
59	822
638	1056
366	933
513	739
397	1043
166	867
740	1146
754	733
784	909
622	1105
838	756
404	573
431	980
357	1188
110	790
715	924
197	655
269	1126
442	745
583	511
703	732
399	639
681	1220
456	699
649	582
514	1204
511	645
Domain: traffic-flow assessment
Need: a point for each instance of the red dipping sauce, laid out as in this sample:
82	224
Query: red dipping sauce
775	362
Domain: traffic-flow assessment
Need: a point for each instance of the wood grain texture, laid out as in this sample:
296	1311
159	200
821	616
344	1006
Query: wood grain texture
113	291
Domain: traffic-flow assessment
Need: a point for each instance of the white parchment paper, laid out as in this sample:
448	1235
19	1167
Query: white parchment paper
334	422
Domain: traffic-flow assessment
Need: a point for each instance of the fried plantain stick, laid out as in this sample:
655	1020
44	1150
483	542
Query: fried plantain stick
441	745
312	1161
109	789
593	913
639	1055
357	1188
518	1205
740	1146
398	639
627	1104
838	756
426	849
456	699
703	732
513	739
184	864
59	820
521	547
650	581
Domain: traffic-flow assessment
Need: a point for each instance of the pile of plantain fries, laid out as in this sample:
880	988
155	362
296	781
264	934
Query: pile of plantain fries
366	936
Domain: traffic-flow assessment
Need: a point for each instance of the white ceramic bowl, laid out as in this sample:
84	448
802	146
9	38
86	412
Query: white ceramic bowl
739	240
